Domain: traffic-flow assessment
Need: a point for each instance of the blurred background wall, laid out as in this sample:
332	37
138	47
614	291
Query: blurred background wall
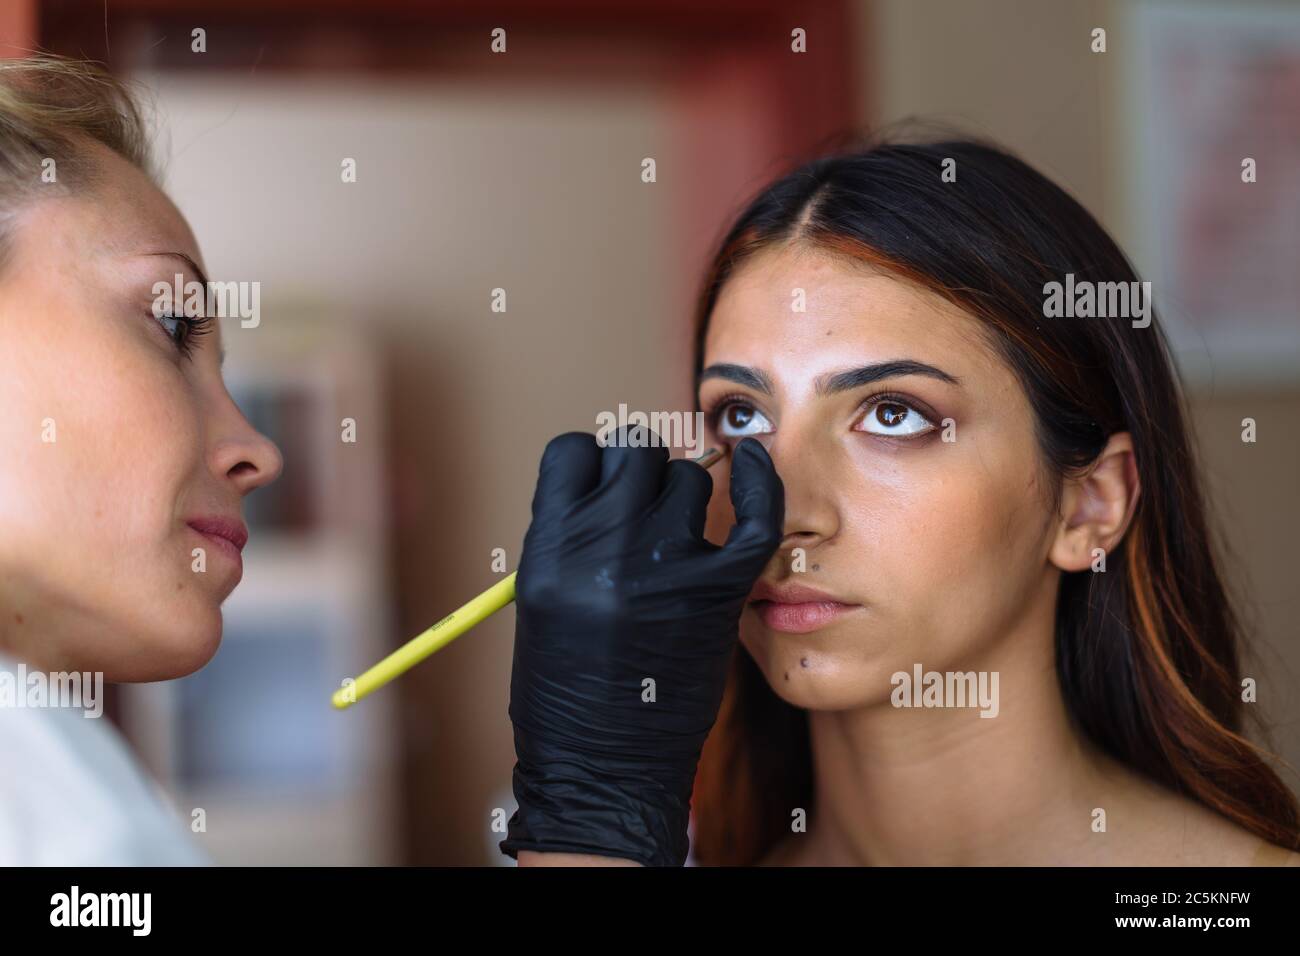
523	172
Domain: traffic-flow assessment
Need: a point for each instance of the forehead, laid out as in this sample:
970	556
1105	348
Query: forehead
125	214
852	313
109	231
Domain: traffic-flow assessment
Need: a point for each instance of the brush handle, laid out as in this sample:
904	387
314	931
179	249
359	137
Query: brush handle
433	639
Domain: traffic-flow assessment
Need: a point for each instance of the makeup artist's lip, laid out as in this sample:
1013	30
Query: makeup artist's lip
228	534
796	608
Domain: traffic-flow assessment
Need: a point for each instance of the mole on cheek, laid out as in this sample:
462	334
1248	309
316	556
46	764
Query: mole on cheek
787	675
803	662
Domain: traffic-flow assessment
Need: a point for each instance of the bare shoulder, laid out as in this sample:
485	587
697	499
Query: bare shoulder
1198	836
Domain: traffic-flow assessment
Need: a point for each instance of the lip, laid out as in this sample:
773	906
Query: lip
792	594
796	608
228	534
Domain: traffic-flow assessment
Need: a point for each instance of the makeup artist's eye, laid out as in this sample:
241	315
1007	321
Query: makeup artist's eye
736	419
183	329
890	416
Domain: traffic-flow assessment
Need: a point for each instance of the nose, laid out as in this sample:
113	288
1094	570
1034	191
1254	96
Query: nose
811	516
244	456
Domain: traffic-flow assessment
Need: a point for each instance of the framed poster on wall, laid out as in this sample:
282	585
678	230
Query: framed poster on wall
1214	181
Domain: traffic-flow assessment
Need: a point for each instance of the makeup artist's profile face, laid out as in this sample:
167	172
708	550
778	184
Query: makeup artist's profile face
939	546
118	432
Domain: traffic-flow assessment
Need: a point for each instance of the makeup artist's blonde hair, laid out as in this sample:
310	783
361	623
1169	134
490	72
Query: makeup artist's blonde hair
53	108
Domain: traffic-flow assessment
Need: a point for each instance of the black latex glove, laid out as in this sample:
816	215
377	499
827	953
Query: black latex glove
617	585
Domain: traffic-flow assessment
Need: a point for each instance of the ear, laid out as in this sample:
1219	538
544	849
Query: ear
1096	508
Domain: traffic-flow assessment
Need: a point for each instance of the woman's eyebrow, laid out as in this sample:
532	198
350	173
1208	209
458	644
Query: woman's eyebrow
753	378
835	382
187	260
832	382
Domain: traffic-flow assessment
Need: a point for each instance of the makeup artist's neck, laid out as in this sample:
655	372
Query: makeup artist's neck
944	786
24	637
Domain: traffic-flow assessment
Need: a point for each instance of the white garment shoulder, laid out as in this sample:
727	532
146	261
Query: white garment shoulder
72	794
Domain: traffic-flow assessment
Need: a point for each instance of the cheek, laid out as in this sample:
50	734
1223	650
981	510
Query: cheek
106	432
955	553
98	507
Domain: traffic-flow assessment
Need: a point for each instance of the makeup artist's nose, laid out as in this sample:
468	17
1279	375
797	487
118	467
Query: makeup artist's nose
244	456
250	460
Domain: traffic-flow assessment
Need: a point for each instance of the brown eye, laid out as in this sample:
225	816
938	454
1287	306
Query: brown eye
738	419
890	414
738	416
894	418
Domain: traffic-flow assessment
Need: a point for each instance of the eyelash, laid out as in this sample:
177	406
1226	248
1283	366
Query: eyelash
194	326
713	414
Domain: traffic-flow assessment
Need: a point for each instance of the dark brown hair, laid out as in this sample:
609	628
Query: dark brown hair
1147	653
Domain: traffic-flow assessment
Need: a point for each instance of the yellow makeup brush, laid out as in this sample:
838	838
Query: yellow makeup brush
448	629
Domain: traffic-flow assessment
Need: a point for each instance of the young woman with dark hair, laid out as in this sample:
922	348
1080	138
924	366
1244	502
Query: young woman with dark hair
973	485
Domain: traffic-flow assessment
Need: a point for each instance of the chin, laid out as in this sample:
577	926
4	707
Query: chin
812	694
171	652
825	683
199	645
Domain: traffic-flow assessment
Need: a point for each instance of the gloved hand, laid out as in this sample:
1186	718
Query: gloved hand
626	619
